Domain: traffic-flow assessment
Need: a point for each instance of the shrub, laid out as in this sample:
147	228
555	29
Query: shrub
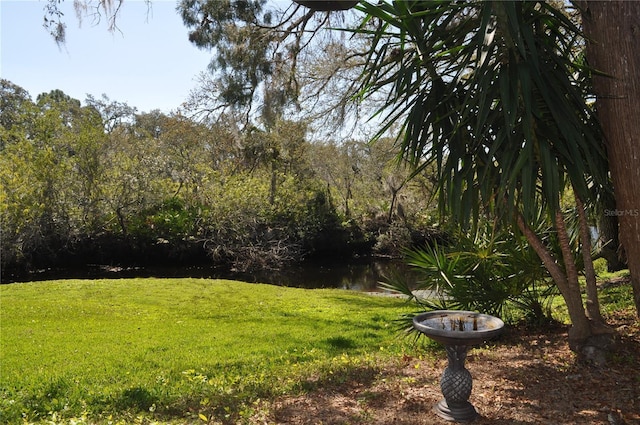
491	270
251	228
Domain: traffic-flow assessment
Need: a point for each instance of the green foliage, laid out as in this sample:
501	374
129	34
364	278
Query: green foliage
491	271
493	95
36	172
87	184
210	23
252	227
173	349
15	107
600	266
169	220
262	63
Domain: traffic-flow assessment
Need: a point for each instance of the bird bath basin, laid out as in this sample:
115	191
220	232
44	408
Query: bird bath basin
457	331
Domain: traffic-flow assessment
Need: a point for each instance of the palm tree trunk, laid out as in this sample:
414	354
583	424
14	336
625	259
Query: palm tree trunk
593	304
581	329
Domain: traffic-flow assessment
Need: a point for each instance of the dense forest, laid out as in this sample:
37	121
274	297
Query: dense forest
98	182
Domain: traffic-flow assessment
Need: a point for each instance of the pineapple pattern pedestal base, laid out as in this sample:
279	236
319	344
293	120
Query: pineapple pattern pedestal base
456	384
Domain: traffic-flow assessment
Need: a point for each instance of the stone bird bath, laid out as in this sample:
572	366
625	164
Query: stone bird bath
457	331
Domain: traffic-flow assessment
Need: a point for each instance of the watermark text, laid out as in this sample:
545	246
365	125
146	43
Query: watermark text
620	213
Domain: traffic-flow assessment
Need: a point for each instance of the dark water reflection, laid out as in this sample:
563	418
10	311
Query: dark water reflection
361	275
357	276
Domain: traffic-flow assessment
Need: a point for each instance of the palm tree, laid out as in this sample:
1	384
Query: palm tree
493	94
490	94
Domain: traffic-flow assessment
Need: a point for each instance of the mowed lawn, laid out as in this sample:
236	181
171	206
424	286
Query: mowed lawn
175	349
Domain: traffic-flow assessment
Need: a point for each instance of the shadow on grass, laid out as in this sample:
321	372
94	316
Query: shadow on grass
137	398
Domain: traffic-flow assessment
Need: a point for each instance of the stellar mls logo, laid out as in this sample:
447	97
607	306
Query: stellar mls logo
620	213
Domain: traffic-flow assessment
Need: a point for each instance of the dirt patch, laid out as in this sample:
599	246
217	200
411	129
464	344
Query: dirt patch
528	376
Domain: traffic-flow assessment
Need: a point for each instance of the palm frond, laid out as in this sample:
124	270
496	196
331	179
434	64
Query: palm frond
487	91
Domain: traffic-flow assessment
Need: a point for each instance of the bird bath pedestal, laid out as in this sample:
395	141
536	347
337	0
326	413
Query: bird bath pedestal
457	331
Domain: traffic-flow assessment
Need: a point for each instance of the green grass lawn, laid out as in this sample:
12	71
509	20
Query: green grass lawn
176	349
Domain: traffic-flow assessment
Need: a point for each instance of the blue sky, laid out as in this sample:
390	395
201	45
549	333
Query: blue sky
149	63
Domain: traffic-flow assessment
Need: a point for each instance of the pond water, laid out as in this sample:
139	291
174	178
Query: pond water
357	275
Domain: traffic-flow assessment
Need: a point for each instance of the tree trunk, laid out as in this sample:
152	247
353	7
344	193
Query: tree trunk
121	221
613	32
593	304
608	238
274	184
573	296
581	328
394	196
590	340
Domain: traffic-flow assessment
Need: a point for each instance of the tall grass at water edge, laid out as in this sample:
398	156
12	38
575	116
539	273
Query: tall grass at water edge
111	351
